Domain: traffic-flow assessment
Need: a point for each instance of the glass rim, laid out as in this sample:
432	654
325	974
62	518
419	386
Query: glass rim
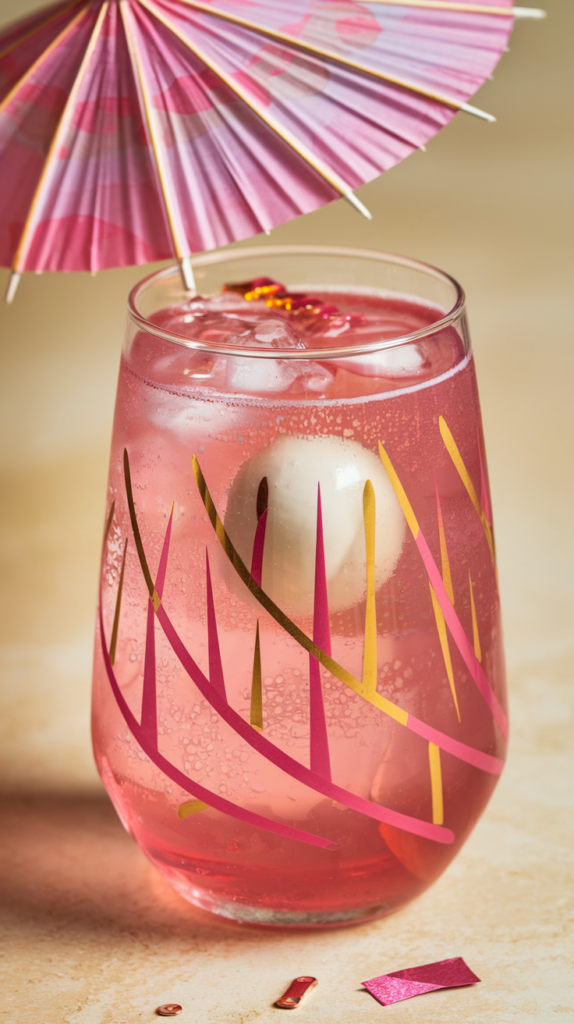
210	258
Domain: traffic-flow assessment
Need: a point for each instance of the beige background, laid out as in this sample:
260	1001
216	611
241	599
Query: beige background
96	935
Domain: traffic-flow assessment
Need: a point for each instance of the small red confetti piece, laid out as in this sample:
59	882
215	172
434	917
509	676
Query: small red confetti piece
298	988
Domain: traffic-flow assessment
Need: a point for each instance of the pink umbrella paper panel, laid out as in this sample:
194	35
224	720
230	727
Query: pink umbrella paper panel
137	130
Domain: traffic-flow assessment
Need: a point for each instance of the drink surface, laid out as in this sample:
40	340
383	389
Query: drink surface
329	320
297	424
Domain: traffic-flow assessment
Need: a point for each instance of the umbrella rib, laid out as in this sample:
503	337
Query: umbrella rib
40	60
444	5
487	9
291	140
181	251
37	28
321	51
23	244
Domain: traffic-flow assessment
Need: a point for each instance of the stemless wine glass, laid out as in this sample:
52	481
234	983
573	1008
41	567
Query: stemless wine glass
298	705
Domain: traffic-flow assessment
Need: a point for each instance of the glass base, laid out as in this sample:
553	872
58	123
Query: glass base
272	917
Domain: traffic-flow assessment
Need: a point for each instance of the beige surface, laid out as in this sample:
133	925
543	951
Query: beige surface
93	935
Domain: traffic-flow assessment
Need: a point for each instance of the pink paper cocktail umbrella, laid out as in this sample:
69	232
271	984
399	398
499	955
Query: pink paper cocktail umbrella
137	130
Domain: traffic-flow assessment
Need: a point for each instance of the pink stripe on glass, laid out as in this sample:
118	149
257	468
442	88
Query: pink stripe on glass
319	744
215	665
459	636
259	548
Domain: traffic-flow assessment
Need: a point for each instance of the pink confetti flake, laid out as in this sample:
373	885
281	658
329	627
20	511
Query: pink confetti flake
414	981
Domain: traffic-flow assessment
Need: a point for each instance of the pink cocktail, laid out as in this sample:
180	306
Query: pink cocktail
299	704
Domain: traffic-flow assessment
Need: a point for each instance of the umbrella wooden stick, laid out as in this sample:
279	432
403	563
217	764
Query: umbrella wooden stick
291	140
39	26
330	55
180	245
36	204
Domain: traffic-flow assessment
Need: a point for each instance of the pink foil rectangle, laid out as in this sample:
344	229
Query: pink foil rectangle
414	981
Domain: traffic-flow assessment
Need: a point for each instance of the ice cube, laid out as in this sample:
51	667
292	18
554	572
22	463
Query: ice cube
253	376
316	377
224	302
232	322
216	328
402	361
267	332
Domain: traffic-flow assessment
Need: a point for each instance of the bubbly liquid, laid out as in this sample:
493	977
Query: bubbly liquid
174	402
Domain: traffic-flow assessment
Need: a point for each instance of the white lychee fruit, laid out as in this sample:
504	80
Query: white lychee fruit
293	466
